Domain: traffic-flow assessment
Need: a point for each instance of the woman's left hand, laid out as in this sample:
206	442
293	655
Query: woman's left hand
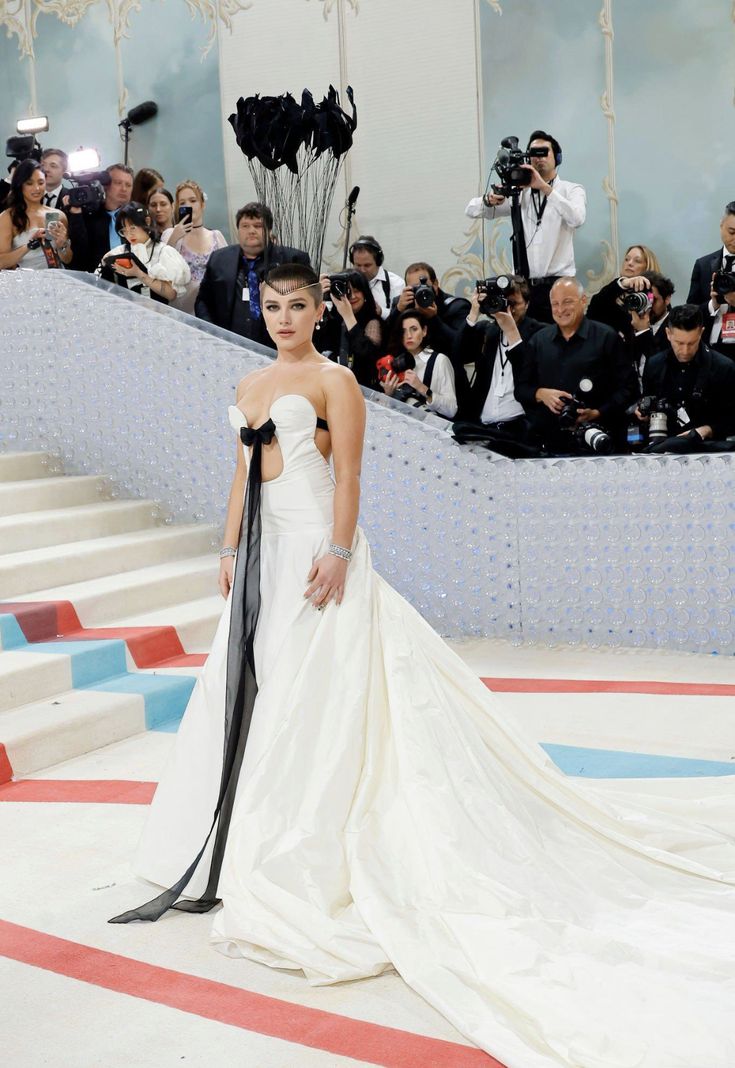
326	580
413	380
133	271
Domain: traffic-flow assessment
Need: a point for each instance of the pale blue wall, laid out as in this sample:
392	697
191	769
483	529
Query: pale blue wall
77	87
543	65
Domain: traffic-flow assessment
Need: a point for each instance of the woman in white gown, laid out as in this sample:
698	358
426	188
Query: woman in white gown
384	813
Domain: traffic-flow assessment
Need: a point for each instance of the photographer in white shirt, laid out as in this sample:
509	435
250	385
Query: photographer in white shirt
551	210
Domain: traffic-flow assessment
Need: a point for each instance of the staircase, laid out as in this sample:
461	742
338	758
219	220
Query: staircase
106	614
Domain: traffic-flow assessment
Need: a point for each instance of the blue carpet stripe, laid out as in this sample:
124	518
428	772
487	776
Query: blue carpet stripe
617	764
165	696
11	636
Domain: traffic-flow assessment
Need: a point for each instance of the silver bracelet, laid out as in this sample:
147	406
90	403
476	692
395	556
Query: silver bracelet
228	550
337	550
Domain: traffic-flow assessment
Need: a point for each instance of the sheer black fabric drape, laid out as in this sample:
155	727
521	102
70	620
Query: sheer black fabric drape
241	691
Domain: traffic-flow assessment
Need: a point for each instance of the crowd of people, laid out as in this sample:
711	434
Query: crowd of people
528	365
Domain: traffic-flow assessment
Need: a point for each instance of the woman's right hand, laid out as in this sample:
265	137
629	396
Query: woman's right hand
226	572
391	383
178	233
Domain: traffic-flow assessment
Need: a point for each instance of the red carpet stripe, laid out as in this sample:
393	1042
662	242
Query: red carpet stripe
704	689
80	791
6	770
284	1020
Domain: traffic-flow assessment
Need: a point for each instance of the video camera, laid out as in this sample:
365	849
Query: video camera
493	293
23	147
509	165
88	183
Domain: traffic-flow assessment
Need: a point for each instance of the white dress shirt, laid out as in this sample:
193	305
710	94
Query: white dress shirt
443	393
396	285
52	197
548	240
716	331
500	403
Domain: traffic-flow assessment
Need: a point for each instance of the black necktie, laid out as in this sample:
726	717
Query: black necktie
728	262
48	199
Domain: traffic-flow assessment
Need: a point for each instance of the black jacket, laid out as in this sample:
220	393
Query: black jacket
604	308
219	300
701	283
89	233
595	352
351	347
709	397
479	345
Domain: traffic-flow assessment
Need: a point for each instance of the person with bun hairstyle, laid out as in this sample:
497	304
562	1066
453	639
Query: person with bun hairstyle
191	238
143	263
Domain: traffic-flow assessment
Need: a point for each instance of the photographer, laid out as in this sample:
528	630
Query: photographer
719	314
94	233
445	313
32	235
691	385
351	333
650	326
610	304
721	260
492	402
144	264
429	377
572	374
551	210
366	256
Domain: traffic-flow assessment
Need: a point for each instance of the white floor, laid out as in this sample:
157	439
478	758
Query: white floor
65	872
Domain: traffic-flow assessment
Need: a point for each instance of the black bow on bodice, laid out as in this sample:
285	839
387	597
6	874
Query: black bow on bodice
263	434
240	691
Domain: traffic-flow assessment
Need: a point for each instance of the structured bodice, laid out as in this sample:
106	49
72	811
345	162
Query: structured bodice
301	496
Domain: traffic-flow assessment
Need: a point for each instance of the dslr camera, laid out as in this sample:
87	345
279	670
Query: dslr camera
340	284
509	167
657	410
724	282
396	365
493	293
639	302
590	435
423	293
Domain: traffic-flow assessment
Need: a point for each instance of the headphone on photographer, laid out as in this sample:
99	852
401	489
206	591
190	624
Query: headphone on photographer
370	245
541	135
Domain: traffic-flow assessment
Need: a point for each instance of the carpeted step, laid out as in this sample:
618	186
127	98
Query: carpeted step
22	465
45	568
193	621
41	494
62	526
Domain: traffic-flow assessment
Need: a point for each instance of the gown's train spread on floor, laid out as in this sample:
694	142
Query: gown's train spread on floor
387	814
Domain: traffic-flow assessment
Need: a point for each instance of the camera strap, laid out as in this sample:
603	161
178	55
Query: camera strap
429	372
539	203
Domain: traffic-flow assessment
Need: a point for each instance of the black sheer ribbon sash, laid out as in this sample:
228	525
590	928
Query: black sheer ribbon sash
240	693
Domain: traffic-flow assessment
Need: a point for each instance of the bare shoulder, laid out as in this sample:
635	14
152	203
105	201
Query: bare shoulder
246	384
339	382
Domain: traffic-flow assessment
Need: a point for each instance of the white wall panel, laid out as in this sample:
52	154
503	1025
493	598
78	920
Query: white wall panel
412	64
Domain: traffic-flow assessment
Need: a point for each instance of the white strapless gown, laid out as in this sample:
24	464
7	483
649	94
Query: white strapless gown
388	815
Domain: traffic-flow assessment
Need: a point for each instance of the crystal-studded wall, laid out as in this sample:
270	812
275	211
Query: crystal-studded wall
623	551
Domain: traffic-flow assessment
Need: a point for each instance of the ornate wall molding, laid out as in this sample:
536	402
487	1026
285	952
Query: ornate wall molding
212	12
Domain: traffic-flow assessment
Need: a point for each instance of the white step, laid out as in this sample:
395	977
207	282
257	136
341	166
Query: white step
39	494
40	569
28	677
35	530
78	721
100	600
195	621
21	465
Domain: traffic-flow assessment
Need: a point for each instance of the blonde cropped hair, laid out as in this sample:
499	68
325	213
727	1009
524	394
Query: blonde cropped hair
189	183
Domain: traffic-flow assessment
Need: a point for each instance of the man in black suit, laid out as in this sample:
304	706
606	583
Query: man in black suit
93	233
229	294
490	400
723	258
697	382
719	319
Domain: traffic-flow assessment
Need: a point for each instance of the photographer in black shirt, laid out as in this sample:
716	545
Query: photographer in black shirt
690	386
573	376
350	332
